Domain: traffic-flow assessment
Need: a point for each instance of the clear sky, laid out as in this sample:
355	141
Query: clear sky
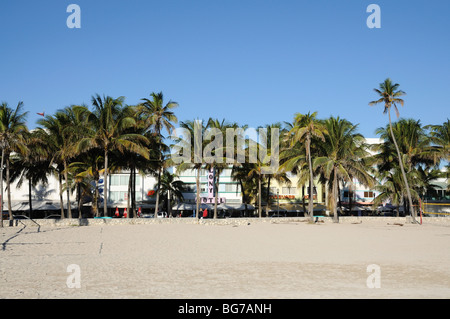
251	62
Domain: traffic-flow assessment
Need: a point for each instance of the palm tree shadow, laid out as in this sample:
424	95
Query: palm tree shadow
42	192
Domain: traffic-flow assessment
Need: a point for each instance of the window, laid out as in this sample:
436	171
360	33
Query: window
348	194
118	196
369	194
115	180
314	190
230	188
120	180
124	179
289	190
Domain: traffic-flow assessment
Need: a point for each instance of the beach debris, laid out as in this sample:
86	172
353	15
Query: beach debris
396	224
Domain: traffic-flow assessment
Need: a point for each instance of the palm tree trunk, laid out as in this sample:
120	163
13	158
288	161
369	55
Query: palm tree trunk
95	200
105	186
268	196
259	196
1	186
216	195
130	183
29	197
61	202
66	177
158	131
8	185
400	161
244	198
79	199
303	200
133	191
335	198
350	198
157	192
198	192
311	180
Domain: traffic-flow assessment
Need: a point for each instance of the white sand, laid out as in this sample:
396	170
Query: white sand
260	260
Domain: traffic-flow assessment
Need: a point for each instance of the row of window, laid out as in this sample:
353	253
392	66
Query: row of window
367	194
123	180
120	196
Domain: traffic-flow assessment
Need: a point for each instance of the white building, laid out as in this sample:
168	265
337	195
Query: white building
359	195
46	198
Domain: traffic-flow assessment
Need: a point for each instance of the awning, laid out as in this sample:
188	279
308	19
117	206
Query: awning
38	205
184	206
293	208
237	206
439	185
275	208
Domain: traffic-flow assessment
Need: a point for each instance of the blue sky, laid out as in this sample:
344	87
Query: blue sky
251	62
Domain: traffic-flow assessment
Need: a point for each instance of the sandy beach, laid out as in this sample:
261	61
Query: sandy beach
259	260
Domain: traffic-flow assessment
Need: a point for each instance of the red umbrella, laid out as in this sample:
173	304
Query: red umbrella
125	213
117	211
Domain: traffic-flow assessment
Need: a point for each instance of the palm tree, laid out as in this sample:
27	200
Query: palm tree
216	129
157	117
390	95
390	189
133	161
105	130
194	143
12	130
343	154
305	129
256	171
440	135
171	189
240	174
62	131
87	171
31	164
414	144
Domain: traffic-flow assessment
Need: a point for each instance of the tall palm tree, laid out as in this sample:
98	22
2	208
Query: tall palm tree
390	188
390	95
305	128
12	130
157	117
343	154
171	189
105	130
256	171
193	142
440	135
87	171
33	165
218	162
62	131
133	161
